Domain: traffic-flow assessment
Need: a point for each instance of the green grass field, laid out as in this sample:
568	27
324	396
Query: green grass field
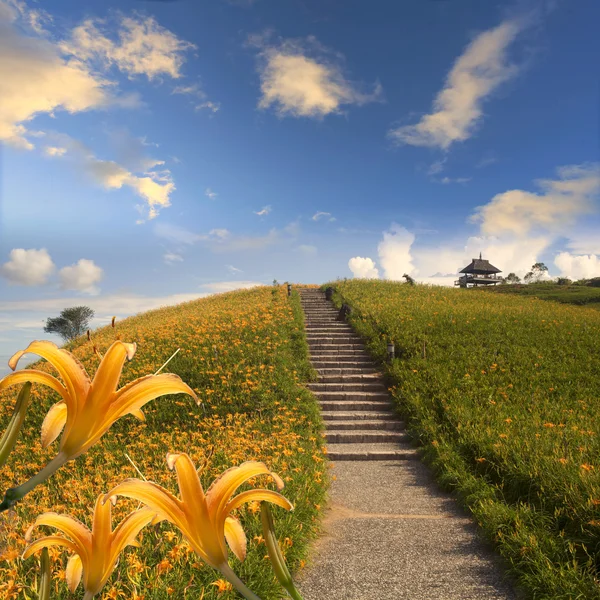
503	393
244	353
565	294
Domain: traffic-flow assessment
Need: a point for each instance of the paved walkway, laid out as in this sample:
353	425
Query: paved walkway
389	532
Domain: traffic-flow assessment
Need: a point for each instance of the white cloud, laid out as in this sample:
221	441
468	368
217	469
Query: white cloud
200	97
35	78
28	267
563	200
447	180
210	194
264	211
82	277
585	242
437	166
301	85
307	250
320	215
395	252
583	266
171	257
154	187
209	105
54	151
144	47
233	269
457	109
363	268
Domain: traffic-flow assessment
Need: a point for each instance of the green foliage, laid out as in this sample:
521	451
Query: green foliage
512	278
71	323
565	294
505	405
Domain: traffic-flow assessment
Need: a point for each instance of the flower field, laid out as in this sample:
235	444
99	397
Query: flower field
245	356
503	394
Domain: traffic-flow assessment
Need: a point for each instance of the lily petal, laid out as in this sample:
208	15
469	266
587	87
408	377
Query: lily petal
259	495
158	499
73	572
137	393
48	542
53	423
235	536
128	529
101	527
77	531
192	494
35	376
108	374
224	486
72	372
138	414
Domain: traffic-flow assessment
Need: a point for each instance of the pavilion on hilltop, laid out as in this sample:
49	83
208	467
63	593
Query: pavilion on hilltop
479	272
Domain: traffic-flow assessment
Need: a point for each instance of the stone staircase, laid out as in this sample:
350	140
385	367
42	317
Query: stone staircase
355	404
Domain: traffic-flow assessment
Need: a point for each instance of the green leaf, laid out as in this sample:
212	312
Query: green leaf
14	426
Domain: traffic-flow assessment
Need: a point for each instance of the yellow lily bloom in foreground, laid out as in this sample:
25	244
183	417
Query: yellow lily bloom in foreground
88	408
205	519
95	553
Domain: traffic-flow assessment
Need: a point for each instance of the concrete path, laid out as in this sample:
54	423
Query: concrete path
390	533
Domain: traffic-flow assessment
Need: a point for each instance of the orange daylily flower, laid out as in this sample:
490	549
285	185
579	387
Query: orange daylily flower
88	407
205	519
95	552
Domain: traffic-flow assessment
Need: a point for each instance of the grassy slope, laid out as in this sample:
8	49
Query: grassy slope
502	393
565	294
245	354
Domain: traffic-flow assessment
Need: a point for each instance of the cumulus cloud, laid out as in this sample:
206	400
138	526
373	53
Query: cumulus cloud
321	215
143	47
395	252
562	201
28	267
304	79
457	109
363	268
171	257
35	78
82	277
264	211
573	266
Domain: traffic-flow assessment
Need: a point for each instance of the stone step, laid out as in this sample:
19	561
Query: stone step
378	416
358	349
353	378
354	396
333	351
360	424
365	437
352	405
385	451
346	371
334	338
333	329
346	387
341	362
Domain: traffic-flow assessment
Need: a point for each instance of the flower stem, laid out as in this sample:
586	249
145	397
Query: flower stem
237	583
13	495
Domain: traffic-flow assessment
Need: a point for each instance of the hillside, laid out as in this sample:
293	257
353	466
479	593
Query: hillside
502	393
579	295
244	354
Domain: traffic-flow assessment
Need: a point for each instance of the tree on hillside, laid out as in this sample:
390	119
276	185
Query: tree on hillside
512	278
71	323
409	279
538	270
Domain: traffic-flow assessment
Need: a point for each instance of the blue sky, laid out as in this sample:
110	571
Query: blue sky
154	152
